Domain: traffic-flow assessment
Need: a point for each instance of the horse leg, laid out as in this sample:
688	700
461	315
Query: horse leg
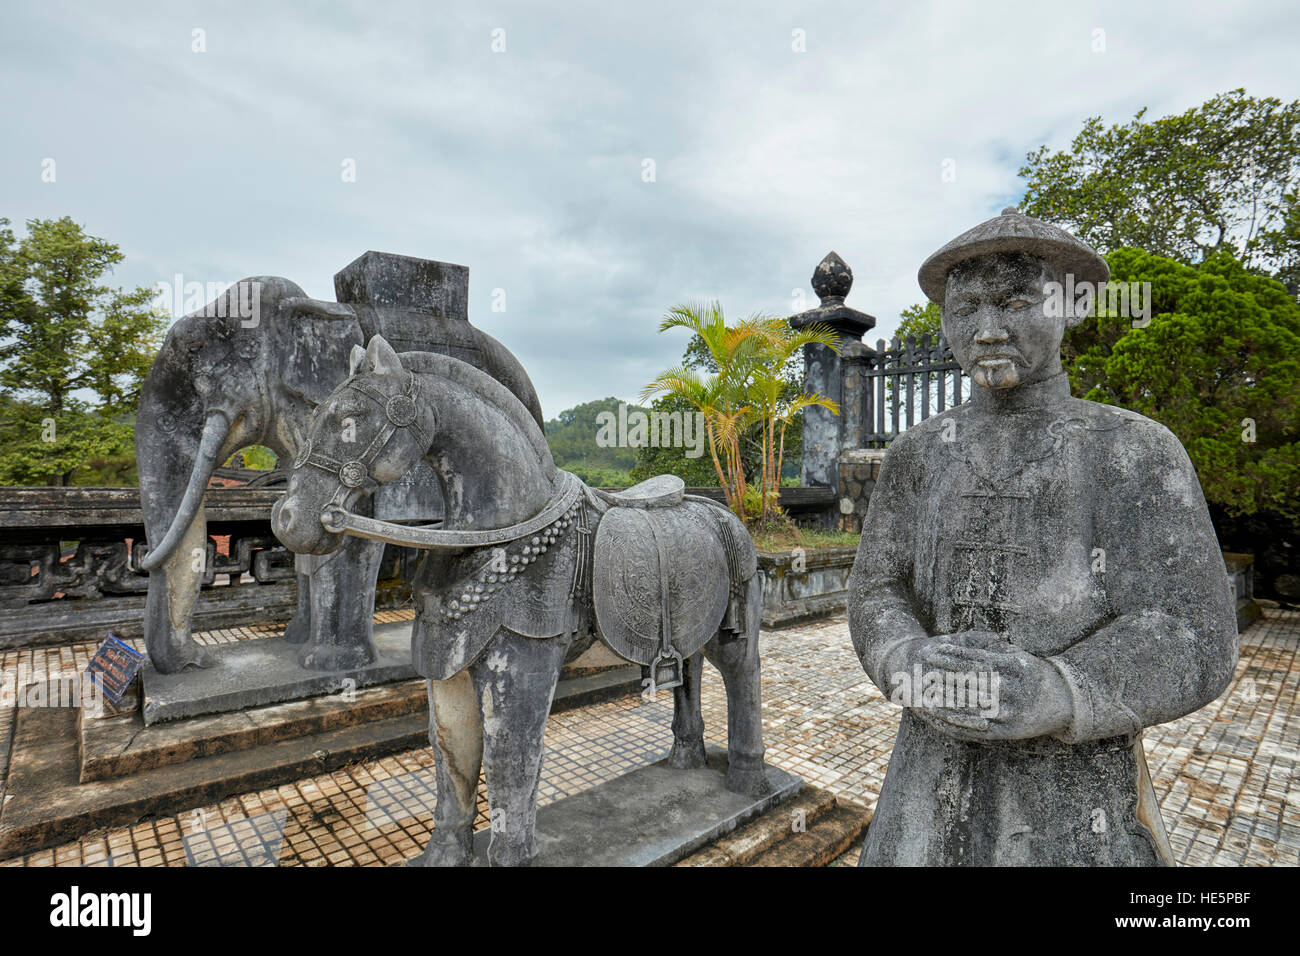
456	732
515	680
688	725
737	658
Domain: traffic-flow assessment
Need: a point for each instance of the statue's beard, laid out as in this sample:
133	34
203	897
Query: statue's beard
1002	373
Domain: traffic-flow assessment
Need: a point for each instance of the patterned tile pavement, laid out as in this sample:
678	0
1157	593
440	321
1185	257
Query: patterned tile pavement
1227	777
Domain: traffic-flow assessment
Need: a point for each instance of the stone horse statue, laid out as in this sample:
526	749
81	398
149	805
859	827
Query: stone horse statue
527	569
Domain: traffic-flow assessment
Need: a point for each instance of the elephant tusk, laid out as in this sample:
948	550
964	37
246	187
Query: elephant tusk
215	430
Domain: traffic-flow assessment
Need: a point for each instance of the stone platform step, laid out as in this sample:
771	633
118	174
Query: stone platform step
811	830
118	746
46	803
822	842
115	746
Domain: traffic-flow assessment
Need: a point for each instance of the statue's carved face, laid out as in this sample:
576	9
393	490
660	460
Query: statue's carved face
993	316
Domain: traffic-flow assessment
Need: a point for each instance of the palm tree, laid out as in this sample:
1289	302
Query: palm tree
718	397
748	388
768	395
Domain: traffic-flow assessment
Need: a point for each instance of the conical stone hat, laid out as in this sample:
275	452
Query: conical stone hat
1013	231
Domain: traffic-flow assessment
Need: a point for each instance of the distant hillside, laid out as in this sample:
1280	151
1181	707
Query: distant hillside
572	437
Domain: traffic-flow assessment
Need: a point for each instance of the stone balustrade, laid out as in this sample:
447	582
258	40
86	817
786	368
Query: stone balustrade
69	560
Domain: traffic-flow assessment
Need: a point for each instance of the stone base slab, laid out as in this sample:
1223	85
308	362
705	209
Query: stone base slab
266	671
653	816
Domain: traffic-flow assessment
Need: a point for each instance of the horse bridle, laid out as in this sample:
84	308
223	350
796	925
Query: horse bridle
401	411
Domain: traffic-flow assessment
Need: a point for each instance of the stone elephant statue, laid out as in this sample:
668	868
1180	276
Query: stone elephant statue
249	369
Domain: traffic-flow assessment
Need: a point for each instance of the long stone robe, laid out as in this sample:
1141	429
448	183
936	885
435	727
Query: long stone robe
1078	532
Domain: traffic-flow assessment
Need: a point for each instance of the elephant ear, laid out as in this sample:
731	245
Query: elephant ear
312	346
383	359
354	361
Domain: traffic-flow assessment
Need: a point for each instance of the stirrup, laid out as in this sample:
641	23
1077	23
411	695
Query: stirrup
666	672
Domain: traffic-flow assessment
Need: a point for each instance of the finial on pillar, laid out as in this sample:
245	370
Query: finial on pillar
832	280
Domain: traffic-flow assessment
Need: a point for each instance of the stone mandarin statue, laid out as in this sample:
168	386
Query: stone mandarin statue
1038	580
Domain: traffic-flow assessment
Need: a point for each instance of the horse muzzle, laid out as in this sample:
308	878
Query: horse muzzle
301	531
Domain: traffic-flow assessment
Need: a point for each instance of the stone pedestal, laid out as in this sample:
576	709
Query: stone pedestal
255	673
653	816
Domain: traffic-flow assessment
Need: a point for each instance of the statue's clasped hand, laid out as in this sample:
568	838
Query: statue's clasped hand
1021	695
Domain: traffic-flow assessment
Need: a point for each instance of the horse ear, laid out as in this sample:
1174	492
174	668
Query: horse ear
382	357
355	359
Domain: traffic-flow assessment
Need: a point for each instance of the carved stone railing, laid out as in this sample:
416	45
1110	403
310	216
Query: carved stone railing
69	560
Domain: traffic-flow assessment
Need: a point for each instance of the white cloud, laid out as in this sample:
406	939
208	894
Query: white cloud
526	165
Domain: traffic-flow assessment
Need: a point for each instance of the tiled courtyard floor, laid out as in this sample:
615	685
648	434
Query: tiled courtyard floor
1227	777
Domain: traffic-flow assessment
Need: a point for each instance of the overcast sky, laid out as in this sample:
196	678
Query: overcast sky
527	165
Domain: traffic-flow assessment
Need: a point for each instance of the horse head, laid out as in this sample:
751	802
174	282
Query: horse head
368	432
489	455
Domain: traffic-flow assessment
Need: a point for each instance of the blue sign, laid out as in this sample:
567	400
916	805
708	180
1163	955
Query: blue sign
113	667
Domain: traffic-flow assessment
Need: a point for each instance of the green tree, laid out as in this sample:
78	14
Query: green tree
572	436
920	319
746	389
653	460
73	353
1222	175
666	459
1219	365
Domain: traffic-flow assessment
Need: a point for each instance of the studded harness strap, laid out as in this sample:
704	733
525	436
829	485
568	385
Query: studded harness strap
401	412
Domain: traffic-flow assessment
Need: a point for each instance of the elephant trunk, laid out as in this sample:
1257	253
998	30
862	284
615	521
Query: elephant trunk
215	430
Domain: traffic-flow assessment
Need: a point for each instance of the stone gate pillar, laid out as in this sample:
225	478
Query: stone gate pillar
827	436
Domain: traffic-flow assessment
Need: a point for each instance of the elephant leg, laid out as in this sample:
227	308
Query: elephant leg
342	591
456	733
169	607
515	680
737	658
299	629
688	725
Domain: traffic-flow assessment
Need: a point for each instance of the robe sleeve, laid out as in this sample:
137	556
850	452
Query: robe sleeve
882	610
1170	646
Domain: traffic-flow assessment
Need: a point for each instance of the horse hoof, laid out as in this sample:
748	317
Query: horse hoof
182	658
447	849
686	755
752	783
511	857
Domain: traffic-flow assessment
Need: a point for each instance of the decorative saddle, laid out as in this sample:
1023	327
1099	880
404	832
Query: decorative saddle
668	570
654	573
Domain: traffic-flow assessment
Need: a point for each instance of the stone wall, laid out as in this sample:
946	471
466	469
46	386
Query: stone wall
799	584
859	469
